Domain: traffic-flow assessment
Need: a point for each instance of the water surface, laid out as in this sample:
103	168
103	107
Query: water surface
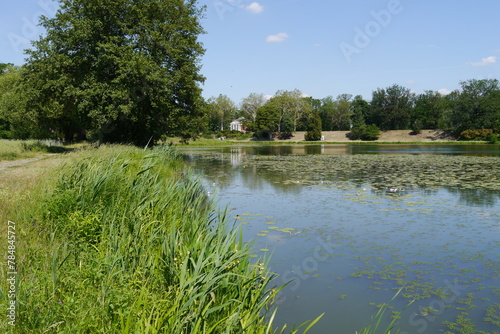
349	225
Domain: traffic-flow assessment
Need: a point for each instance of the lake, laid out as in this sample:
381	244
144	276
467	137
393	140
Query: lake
347	226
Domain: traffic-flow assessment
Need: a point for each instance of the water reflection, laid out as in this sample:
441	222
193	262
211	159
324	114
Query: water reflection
341	149
287	169
349	229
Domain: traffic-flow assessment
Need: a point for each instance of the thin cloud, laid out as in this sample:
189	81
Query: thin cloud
444	91
277	38
255	8
485	61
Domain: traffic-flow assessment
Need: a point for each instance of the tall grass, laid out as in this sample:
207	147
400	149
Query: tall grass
127	242
19	149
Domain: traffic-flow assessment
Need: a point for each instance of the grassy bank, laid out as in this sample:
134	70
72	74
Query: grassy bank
121	240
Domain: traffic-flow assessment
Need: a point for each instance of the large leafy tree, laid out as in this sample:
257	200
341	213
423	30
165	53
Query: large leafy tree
292	107
391	108
267	121
430	111
477	105
118	70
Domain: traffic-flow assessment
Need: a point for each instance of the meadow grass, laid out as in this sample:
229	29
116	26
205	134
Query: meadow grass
25	149
124	240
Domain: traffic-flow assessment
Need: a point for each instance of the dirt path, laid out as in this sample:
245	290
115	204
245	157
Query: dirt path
17	163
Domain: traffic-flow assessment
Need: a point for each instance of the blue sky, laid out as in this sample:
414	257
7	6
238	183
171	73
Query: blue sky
322	47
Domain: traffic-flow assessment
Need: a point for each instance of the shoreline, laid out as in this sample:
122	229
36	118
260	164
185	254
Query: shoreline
390	137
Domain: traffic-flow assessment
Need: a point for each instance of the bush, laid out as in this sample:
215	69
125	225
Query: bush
229	134
476	134
285	135
313	135
364	132
372	132
493	138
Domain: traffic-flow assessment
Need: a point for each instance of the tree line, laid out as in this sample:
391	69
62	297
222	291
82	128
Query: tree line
476	105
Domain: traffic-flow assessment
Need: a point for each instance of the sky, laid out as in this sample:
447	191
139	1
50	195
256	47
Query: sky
321	47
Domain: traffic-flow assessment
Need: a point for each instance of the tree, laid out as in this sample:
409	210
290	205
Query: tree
391	108
429	112
326	113
342	112
360	110
4	67
250	105
477	105
118	70
267	121
292	106
221	111
314	126
15	121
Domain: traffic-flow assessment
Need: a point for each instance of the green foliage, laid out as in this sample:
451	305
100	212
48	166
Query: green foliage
291	107
41	146
15	121
230	134
360	110
429	112
266	122
493	138
314	127
117	71
365	132
477	106
391	108
221	111
479	134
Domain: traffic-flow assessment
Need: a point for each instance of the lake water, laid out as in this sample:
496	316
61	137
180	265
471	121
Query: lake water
350	225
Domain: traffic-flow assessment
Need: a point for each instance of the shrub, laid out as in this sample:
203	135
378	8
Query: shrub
476	134
364	132
372	132
493	139
285	135
313	135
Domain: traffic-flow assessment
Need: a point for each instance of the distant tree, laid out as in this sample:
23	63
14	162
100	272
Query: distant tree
341	116
292	106
429	111
327	111
360	110
267	121
477	105
15	121
250	105
221	112
391	108
314	126
4	67
118	70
